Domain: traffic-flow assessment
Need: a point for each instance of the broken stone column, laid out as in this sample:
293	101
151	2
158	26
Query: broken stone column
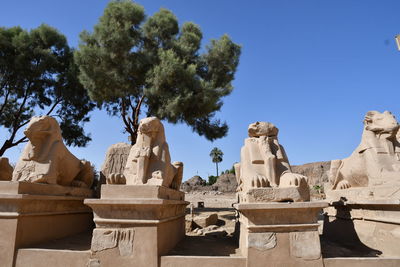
141	213
278	224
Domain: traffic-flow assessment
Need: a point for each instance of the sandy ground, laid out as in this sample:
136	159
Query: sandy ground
211	199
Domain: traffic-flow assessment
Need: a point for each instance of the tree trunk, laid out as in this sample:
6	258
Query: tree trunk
131	121
4	147
216	164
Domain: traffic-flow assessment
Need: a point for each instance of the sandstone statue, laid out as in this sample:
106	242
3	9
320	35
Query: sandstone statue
376	160
5	169
149	160
115	162
263	161
46	159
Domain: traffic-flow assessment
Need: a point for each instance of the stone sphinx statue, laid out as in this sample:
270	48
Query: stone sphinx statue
264	164
149	161
46	159
376	161
6	169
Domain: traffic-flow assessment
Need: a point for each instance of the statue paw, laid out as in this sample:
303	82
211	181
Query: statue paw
259	181
116	178
292	180
77	183
344	184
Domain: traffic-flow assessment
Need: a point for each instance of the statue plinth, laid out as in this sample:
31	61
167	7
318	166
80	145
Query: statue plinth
354	194
275	194
35	213
136	223
283	233
370	215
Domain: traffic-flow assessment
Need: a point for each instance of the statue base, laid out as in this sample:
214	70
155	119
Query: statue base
367	216
283	233
136	223
274	194
34	213
377	192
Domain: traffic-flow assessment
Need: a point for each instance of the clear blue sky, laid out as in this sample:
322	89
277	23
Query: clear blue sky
312	67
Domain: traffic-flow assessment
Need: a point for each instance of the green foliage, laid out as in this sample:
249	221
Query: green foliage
212	179
38	77
216	156
130	61
232	170
317	187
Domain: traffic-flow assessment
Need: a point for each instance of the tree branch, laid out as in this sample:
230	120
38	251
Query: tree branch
21	107
137	110
5	102
123	115
22	140
53	107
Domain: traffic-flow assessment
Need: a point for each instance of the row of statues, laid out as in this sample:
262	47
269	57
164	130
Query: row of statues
263	161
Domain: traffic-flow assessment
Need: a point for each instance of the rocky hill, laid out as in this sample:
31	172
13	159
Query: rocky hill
317	172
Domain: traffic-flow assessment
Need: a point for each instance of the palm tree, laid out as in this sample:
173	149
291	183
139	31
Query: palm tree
216	156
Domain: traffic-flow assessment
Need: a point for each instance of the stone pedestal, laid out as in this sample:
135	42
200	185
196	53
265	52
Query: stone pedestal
280	234
34	213
366	218
136	224
275	194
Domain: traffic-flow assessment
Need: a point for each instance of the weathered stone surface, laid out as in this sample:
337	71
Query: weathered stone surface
94	263
263	162
149	161
305	245
11	187
115	160
46	159
376	161
370	193
5	169
206	220
33	213
135	224
370	226
268	194
140	191
262	241
104	239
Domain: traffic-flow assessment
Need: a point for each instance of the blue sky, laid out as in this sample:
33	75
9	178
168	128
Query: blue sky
311	67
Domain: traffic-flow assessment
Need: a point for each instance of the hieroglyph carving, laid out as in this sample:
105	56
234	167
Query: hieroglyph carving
104	239
263	161
149	161
376	160
46	159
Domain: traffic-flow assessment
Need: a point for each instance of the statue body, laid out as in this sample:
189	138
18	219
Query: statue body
45	158
376	160
263	161
149	161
